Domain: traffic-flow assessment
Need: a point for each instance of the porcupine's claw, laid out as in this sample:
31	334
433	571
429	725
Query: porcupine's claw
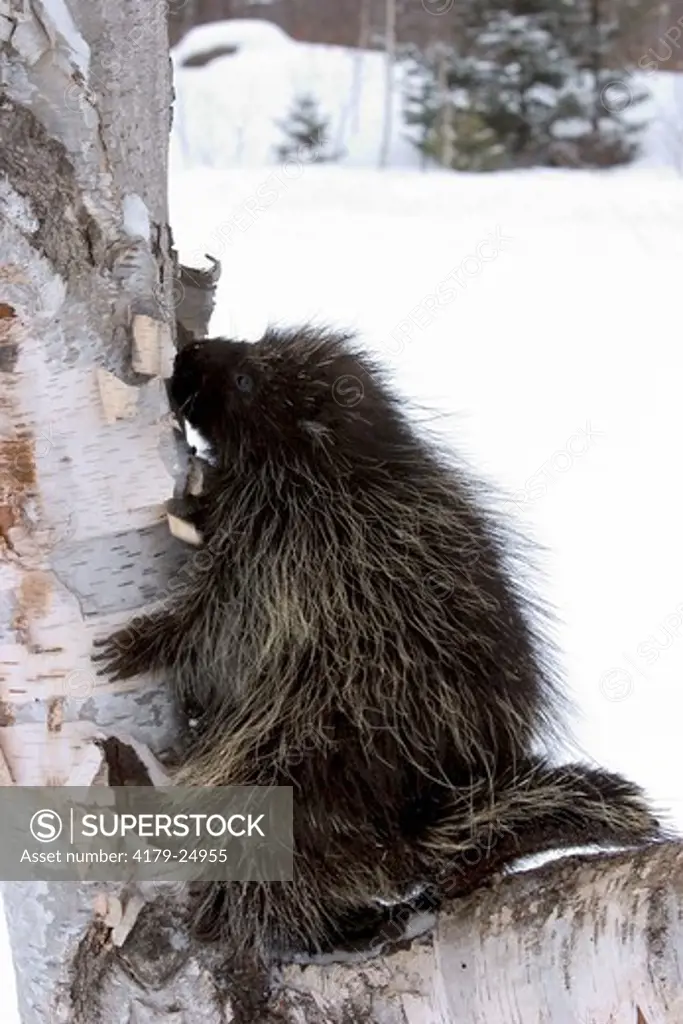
115	659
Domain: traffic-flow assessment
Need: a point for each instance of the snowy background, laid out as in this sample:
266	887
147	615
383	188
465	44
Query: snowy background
529	316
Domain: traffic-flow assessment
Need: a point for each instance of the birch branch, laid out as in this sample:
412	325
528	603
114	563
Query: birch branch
579	941
582	940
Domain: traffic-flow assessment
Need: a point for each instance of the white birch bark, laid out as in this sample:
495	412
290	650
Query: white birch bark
446	119
87	456
390	63
359	57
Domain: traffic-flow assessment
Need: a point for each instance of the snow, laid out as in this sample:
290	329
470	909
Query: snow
665	134
61	18
254	34
225	111
530	318
135	217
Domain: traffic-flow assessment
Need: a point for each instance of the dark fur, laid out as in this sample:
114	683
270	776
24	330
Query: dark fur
359	629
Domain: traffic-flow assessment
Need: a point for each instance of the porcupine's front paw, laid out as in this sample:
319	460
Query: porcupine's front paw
122	655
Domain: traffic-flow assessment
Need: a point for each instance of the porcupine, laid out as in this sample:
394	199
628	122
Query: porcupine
361	628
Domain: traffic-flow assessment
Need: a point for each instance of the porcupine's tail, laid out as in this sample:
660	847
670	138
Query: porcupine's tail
534	809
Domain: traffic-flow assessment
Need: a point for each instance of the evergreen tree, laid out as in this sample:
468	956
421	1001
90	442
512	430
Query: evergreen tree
422	102
521	79
307	133
609	95
528	84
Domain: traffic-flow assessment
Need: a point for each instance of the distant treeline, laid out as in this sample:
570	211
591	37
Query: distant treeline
643	25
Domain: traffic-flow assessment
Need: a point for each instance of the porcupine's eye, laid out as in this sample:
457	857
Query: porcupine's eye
243	382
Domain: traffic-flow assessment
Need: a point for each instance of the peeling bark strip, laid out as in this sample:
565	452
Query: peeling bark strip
195	294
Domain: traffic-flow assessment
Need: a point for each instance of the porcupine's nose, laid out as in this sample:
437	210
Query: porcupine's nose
183	385
184	364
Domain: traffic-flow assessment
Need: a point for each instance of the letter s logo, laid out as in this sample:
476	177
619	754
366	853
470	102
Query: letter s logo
46	826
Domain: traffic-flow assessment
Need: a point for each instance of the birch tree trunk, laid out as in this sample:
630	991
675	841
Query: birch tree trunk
87	456
390	63
87	463
446	118
359	57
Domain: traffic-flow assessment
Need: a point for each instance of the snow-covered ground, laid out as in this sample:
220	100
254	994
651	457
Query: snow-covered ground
532	317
